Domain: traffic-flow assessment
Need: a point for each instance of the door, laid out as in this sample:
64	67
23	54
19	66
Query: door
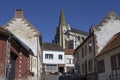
11	67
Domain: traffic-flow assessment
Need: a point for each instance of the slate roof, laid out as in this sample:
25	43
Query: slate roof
51	47
112	44
79	31
69	51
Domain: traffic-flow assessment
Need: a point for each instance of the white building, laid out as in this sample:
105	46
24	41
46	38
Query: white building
69	58
53	59
27	33
96	41
109	60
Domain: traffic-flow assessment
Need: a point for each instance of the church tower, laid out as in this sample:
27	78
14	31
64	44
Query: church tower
68	37
60	30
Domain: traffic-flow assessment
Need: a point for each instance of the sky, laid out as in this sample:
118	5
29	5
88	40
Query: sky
44	14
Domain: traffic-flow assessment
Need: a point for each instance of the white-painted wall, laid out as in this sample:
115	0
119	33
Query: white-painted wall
110	28
107	62
66	63
55	59
20	28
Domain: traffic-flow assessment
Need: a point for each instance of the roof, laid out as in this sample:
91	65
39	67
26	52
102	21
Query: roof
79	31
68	51
5	32
13	37
62	19
51	47
111	14
19	14
112	44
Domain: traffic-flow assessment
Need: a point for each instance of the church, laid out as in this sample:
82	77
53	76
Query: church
66	36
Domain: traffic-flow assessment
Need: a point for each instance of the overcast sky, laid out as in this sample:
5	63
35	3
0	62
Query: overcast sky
44	14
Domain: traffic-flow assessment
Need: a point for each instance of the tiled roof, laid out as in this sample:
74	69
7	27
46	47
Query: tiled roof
79	31
113	43
51	47
69	51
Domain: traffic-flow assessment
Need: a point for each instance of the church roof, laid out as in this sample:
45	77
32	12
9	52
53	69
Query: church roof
79	31
62	19
51	47
112	44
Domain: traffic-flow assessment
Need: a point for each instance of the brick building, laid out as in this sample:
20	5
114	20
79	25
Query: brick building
14	57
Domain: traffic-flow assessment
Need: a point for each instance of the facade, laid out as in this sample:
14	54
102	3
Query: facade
69	65
27	33
66	36
53	59
109	60
93	45
84	59
14	57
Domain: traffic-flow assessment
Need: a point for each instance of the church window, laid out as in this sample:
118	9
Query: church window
70	44
78	38
83	38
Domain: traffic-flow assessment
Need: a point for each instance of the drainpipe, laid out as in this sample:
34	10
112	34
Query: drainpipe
6	57
37	57
95	60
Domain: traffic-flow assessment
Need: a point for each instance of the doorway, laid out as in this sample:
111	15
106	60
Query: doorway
11	67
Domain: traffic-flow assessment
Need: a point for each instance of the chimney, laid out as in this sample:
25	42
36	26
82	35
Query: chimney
19	13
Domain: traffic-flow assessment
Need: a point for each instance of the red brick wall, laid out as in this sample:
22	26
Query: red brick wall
2	54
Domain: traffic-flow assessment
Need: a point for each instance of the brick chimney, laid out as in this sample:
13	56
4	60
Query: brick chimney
19	13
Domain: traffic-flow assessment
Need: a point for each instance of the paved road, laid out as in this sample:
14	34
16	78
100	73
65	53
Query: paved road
52	77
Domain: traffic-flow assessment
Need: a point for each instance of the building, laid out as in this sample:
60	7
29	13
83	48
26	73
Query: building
14	57
69	58
66	36
84	59
27	33
93	45
109	60
53	59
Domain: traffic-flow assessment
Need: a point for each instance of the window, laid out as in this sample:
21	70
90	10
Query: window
60	57
90	46
101	66
83	68
115	61
69	61
70	44
85	50
50	67
34	62
90	65
48	56
82	52
78	38
83	38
